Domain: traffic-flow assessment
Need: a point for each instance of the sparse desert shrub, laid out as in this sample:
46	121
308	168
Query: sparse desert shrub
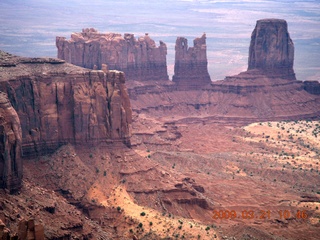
142	214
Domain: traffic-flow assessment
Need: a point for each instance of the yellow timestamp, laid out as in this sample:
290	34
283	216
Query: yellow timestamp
260	214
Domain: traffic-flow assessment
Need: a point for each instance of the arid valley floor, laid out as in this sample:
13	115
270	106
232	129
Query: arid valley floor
268	168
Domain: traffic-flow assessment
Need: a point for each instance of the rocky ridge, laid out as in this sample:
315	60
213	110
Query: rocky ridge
245	98
140	59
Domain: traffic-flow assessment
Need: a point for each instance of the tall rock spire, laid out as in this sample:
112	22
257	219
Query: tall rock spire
271	49
191	64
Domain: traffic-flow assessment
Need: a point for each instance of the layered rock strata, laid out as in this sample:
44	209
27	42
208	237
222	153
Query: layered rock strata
240	99
191	64
60	103
140	59
10	146
271	49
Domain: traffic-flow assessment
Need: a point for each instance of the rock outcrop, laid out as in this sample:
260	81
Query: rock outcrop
271	49
312	87
30	230
10	146
60	103
191	64
140	59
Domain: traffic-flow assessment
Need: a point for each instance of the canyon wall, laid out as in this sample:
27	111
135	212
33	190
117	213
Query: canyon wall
60	103
10	146
140	59
271	49
191	64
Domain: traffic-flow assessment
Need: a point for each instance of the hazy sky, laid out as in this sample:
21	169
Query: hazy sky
29	27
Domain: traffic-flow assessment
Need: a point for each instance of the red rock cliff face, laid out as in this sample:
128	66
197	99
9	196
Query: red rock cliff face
60	103
140	58
190	69
271	49
10	146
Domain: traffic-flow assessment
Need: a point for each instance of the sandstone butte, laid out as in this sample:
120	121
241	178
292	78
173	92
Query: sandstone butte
271	49
140	59
191	64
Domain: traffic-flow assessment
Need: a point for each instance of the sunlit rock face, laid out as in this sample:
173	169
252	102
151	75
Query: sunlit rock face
60	103
271	49
139	58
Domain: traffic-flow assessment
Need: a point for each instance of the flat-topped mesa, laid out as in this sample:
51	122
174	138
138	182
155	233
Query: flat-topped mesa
10	146
140	59
62	103
271	49
191	64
